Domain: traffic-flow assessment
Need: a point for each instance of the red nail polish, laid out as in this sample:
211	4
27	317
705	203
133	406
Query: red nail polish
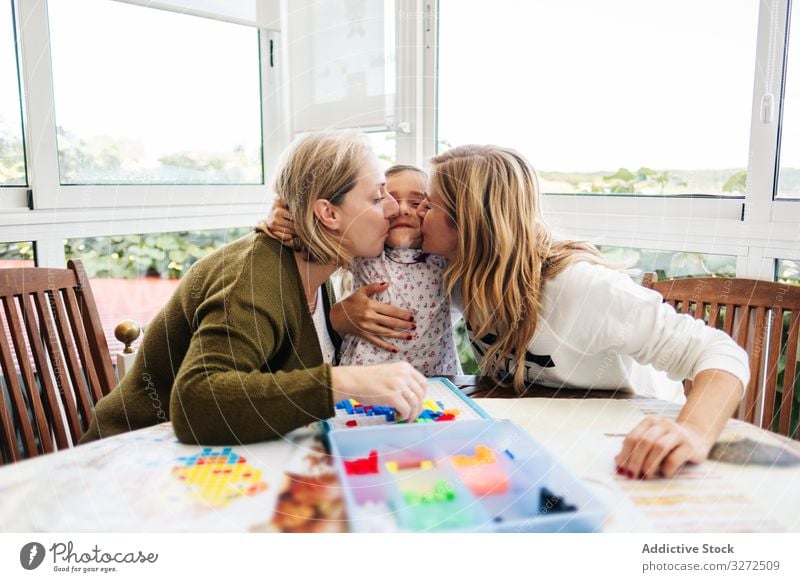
409	337
395	350
411	318
629	474
414	326
620	470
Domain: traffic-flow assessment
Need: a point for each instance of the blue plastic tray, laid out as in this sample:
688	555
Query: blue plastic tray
521	489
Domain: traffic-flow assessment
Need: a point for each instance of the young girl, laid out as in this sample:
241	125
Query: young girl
407	278
415	284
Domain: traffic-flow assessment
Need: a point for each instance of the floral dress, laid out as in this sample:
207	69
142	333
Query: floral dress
415	285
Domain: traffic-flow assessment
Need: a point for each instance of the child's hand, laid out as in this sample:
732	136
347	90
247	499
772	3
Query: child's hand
278	223
371	320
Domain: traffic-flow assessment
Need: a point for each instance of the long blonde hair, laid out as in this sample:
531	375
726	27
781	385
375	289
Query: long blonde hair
506	250
319	166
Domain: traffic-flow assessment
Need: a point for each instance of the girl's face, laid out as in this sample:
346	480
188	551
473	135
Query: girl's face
408	189
439	233
365	212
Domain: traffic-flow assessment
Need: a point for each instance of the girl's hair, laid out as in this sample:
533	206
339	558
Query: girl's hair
320	166
506	250
400	168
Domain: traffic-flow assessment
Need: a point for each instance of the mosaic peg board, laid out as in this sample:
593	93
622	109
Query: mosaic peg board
219	477
441	404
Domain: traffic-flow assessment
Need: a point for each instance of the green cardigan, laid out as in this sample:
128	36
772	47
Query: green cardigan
233	357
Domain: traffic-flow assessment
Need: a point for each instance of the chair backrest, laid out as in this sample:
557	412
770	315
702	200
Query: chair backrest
56	365
764	318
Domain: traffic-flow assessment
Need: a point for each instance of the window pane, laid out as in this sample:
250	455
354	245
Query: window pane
16	254
12	156
599	98
789	170
145	95
788	272
342	60
133	276
669	264
384	146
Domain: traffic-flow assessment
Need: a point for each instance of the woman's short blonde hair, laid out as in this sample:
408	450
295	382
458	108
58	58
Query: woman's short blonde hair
320	166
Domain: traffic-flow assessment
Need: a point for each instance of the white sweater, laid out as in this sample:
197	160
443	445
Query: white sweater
599	329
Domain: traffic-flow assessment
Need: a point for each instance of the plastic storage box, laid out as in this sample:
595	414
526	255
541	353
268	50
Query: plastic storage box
471	475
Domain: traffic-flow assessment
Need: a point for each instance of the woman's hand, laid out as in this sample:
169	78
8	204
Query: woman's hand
279	224
661	446
396	385
371	320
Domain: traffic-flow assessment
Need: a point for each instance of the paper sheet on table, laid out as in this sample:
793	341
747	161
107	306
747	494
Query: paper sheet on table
128	484
700	498
586	435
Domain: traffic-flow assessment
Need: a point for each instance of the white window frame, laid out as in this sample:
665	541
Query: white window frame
756	229
68	211
768	232
13	198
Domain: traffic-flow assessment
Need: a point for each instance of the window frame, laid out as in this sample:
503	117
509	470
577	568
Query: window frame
756	228
60	212
48	192
764	231
16	196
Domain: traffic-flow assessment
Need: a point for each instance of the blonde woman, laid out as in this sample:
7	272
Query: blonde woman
548	311
243	350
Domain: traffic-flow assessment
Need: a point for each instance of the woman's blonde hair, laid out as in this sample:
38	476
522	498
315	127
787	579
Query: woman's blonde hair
320	166
506	250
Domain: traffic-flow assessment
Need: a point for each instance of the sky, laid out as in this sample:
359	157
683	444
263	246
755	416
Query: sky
172	81
586	85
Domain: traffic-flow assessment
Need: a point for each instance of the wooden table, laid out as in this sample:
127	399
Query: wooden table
147	481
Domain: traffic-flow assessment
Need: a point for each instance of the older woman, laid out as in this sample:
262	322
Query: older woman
243	350
547	311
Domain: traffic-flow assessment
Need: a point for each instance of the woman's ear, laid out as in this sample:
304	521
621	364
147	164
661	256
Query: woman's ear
327	214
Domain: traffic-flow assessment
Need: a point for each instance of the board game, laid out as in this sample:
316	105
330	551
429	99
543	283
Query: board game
444	403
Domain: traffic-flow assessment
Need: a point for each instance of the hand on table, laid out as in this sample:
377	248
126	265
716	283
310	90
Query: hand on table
660	447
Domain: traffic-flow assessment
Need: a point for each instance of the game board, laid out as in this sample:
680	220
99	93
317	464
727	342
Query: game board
218	477
444	403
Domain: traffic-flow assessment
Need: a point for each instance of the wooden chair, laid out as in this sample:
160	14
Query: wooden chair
764	318
57	364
